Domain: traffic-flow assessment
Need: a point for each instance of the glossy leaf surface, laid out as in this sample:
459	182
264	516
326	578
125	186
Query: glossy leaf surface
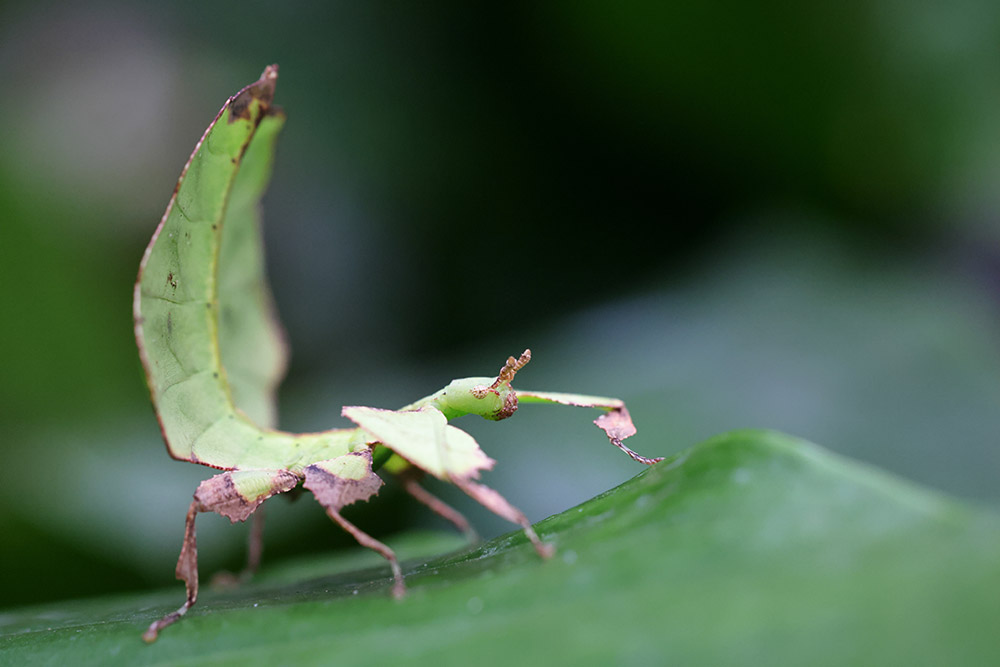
752	547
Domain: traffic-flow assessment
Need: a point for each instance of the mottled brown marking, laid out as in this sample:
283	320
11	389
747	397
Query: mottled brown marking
262	89
509	405
219	494
335	492
171	281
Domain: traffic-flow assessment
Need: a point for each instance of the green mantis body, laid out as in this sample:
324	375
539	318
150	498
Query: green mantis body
213	352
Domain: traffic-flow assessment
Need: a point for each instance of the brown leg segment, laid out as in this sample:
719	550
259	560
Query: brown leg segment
235	494
633	455
497	504
410	479
366	540
187	570
255	545
347	479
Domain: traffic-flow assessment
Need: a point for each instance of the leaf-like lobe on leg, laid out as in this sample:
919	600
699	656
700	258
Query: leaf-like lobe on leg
237	493
617	423
424	438
344	480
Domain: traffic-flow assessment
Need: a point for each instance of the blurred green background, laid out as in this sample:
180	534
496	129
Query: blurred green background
730	215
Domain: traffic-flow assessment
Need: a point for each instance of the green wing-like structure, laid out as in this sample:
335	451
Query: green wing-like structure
251	340
206	328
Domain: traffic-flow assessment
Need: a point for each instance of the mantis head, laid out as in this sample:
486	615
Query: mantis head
490	398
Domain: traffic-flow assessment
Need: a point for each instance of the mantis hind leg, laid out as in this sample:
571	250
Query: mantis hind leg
255	548
187	570
235	495
255	545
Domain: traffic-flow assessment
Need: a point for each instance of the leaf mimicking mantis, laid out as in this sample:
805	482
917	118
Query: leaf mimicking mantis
213	353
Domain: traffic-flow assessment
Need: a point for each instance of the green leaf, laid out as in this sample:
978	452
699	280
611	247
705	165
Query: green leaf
751	548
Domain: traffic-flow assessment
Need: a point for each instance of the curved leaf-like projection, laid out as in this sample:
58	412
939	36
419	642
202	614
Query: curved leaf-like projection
214	353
